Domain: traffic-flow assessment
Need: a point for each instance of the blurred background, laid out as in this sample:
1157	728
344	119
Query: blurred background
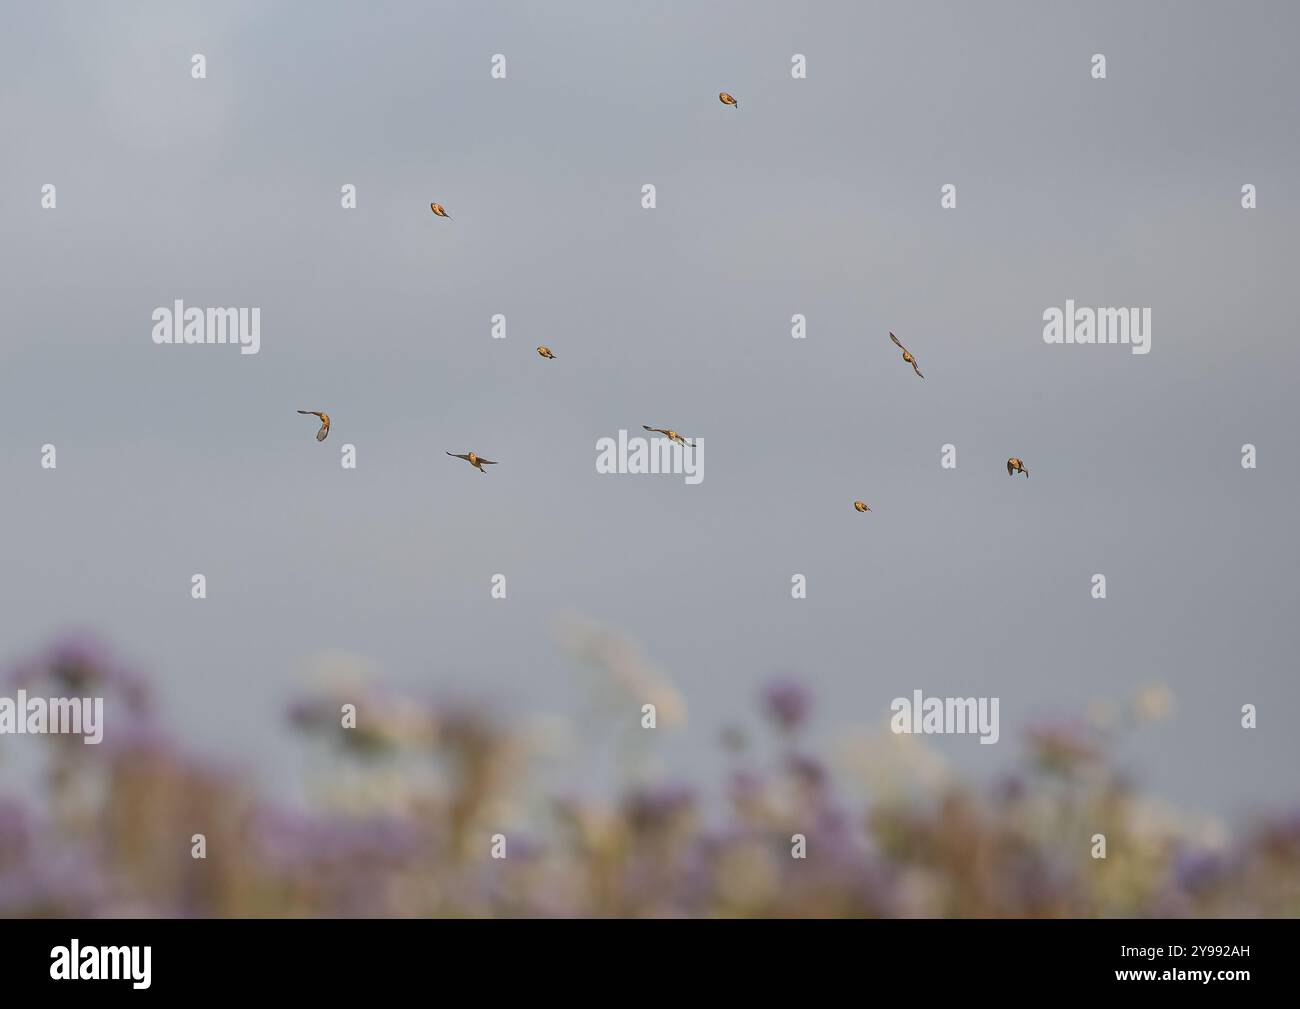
400	816
522	716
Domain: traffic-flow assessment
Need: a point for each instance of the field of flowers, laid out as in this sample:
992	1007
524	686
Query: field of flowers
111	833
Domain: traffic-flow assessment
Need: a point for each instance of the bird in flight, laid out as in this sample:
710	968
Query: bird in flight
546	353
474	460
671	435
907	355
1015	466
324	423
438	209
726	99
861	506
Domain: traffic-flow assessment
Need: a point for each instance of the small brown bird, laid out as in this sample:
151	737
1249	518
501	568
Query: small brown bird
546	353
437	208
907	355
1015	466
861	506
671	435
476	461
726	99
324	423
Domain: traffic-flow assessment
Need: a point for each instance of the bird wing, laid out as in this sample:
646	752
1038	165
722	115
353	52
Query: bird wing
897	342
1010	467
656	430
916	369
486	462
324	430
312	413
457	455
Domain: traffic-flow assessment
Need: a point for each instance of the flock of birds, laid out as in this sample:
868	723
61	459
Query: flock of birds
1014	465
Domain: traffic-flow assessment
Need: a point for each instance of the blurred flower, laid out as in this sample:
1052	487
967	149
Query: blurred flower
409	834
1152	703
893	765
15	831
58	880
365	722
1279	835
745	786
1196	871
81	665
787	704
627	670
808	771
1010	788
1062	745
651	808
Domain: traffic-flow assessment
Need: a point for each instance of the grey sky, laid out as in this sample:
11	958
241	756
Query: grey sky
818	196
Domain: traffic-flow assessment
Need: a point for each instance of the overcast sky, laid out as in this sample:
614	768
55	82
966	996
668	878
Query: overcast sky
817	196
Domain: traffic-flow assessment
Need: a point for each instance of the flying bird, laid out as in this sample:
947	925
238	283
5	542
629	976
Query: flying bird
726	99
474	460
861	506
546	353
907	355
671	435
324	423
1015	466
438	209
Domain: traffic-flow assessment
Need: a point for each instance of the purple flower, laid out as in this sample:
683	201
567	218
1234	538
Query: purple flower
80	665
137	738
309	713
58	880
1010	788
15	830
787	704
294	840
649	808
745	786
807	770
1197	871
